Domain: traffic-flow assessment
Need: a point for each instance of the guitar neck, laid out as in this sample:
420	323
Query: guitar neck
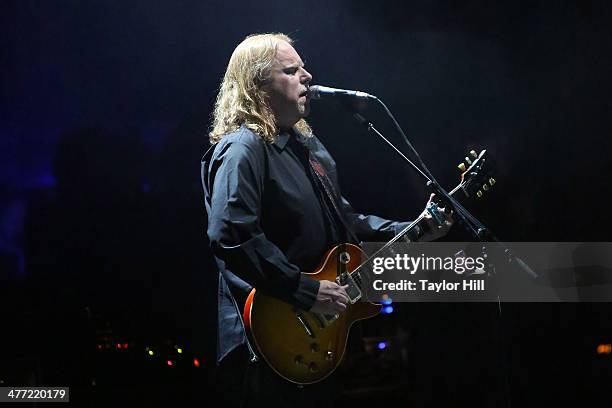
361	270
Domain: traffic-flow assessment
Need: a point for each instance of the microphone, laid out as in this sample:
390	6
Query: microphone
319	92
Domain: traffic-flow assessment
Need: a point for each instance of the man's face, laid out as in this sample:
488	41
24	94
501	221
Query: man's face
287	86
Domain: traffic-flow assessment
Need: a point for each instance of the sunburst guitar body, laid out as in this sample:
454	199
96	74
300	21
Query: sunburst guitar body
301	346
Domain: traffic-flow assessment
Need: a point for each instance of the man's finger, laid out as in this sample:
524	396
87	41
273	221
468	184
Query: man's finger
339	307
342	298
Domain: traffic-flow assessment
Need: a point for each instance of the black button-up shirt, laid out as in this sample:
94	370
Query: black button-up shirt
268	222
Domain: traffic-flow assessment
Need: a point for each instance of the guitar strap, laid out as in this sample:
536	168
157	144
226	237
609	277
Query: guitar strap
325	185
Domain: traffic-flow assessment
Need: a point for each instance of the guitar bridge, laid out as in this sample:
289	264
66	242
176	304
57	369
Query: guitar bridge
353	291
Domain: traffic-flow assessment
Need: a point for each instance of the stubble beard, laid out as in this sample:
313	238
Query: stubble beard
304	109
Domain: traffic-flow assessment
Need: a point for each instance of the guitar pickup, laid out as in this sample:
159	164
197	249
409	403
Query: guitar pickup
353	291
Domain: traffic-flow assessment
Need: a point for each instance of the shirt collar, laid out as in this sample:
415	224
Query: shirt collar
282	139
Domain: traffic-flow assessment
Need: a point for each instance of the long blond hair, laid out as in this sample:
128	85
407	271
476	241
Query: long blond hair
241	99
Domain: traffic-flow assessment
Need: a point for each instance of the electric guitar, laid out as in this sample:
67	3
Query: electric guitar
305	347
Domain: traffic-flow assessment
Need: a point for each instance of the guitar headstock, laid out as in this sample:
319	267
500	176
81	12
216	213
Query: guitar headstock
477	174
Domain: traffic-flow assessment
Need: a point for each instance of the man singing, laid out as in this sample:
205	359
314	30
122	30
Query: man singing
274	209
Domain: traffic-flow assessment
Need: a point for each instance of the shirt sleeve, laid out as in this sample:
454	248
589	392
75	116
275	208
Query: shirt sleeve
234	184
371	227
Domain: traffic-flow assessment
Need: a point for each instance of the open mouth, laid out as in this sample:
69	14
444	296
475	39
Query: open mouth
304	93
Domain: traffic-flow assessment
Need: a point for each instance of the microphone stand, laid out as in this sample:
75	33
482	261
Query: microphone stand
476	228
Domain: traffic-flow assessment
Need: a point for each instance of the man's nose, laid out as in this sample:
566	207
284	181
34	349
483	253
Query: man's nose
306	77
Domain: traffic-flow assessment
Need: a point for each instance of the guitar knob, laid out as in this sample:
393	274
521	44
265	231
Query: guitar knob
485	187
314	347
479	194
462	167
313	367
492	181
329	355
474	154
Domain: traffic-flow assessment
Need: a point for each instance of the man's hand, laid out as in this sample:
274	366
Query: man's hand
331	299
434	230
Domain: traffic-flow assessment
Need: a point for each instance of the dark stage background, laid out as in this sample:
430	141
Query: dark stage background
104	110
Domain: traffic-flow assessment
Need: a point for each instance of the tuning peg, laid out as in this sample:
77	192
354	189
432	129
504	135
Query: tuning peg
492	181
474	154
462	167
479	194
468	160
485	187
